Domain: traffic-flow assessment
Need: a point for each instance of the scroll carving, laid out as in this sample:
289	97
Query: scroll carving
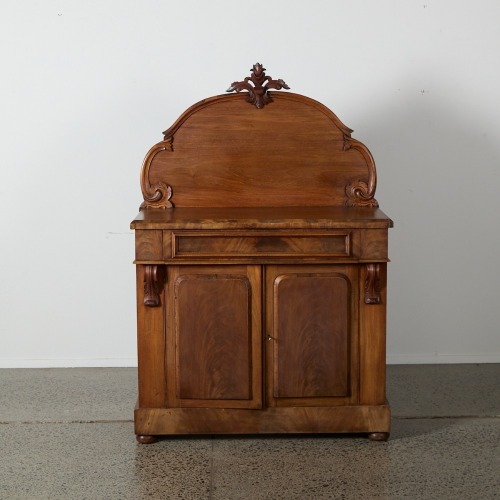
156	195
151	286
258	93
372	284
361	193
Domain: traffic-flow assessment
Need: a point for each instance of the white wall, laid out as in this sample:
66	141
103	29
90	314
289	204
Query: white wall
87	88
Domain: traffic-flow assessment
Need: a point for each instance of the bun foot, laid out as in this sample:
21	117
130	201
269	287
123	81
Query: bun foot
378	436
146	439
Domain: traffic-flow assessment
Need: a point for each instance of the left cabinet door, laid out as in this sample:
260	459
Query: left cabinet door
214	338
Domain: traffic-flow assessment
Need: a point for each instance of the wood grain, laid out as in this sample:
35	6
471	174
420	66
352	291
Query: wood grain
150	347
335	419
261	259
218	341
250	244
262	218
148	245
228	153
212	315
372	349
312	335
311	318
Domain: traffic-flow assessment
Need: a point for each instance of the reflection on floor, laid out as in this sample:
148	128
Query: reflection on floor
68	434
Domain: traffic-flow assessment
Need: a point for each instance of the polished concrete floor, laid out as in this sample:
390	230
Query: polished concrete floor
68	434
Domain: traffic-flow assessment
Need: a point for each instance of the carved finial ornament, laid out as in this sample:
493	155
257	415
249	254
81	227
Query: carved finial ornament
258	93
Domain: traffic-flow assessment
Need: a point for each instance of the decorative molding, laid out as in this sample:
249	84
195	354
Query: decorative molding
156	195
258	93
361	193
151	286
372	284
347	141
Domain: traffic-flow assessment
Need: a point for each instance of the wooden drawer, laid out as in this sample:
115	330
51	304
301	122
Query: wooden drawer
211	244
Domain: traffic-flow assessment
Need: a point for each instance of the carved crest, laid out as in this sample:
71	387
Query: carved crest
258	92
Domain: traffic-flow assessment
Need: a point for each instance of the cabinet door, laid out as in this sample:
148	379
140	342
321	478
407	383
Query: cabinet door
311	332
214	339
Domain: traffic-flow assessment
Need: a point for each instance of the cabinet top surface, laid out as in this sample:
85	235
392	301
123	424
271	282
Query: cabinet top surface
262	218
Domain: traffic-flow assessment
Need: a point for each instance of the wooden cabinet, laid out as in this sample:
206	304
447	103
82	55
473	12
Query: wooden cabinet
261	273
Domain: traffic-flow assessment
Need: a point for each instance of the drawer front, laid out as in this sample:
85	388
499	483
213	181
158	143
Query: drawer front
196	244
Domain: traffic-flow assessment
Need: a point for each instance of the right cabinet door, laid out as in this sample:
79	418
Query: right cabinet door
311	335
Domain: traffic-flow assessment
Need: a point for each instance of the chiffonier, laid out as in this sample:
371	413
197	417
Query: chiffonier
261	259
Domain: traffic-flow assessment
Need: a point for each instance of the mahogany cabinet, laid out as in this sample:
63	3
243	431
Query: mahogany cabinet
261	260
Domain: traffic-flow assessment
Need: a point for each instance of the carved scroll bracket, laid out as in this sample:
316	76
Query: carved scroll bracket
361	193
152	285
372	284
156	195
258	93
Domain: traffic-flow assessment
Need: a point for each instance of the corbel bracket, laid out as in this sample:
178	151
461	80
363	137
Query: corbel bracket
151	286
372	284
